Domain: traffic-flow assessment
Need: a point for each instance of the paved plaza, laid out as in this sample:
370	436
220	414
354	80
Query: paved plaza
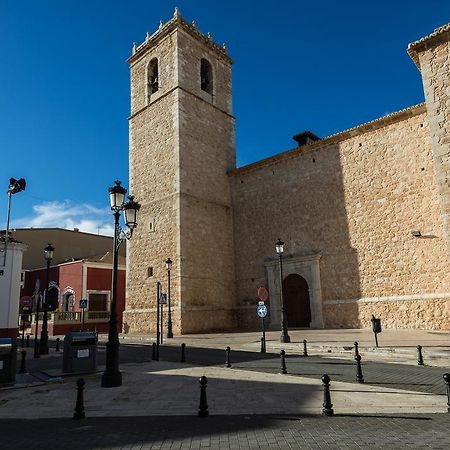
251	404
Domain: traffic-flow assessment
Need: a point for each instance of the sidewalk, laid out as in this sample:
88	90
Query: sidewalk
399	345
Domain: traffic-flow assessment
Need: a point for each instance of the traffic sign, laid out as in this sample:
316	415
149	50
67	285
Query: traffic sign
263	293
261	310
83	303
163	299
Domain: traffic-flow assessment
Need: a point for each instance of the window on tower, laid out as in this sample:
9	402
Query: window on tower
206	76
153	79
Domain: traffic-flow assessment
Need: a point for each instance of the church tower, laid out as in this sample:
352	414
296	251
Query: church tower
181	148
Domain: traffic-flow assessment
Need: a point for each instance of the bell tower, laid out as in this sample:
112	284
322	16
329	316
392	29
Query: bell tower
181	147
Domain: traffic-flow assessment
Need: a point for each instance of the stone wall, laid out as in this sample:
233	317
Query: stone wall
432	55
353	199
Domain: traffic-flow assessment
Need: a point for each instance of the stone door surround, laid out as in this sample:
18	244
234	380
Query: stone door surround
306	266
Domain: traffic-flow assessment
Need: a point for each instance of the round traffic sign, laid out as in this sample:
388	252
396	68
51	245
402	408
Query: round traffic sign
263	293
261	310
26	301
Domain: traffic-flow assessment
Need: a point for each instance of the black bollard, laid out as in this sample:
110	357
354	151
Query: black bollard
227	361
359	374
419	356
203	406
183	352
327	406
57	345
283	362
28	340
23	367
305	349
446	377
154	351
356	348
79	407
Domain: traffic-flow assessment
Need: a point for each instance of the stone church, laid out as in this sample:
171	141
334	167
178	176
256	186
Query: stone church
364	213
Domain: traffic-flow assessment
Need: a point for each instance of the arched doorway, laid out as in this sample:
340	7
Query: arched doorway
296	301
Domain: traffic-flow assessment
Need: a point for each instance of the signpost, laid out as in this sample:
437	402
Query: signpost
261	310
158	294
83	306
162	302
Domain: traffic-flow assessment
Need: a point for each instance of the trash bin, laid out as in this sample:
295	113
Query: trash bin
80	352
376	325
8	357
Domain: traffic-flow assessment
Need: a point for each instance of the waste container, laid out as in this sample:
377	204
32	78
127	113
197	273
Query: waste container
80	352
8	357
376	325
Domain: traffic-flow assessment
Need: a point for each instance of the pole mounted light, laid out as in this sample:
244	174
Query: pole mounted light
169	263
279	247
112	377
14	187
43	345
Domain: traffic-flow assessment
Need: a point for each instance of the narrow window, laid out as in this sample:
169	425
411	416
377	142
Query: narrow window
153	80
206	76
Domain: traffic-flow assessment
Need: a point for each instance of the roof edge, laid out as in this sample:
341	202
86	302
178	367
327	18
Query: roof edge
357	130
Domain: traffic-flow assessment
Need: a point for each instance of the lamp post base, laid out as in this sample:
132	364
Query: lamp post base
111	379
285	339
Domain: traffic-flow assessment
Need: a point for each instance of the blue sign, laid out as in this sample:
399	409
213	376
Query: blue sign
83	303
261	311
163	299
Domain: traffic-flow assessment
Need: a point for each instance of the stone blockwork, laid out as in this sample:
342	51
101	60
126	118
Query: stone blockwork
353	199
363	213
432	55
181	147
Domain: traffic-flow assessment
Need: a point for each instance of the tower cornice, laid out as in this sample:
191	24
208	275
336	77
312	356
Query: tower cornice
177	22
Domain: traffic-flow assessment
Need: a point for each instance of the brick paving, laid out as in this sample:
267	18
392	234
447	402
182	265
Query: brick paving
229	432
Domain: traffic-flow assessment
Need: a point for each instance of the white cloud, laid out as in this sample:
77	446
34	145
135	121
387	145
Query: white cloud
68	215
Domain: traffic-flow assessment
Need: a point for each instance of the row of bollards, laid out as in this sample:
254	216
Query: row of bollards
327	406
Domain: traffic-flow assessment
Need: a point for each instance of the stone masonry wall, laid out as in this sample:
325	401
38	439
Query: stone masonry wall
354	199
434	62
154	162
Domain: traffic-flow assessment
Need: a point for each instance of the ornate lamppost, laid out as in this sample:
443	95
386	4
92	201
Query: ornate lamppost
43	344
279	247
112	377
169	320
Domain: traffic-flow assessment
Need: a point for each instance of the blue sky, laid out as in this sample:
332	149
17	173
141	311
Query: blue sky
322	66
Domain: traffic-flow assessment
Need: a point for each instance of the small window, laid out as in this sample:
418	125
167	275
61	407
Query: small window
206	76
153	77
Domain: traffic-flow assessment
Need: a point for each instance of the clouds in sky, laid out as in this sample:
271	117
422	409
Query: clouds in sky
68	215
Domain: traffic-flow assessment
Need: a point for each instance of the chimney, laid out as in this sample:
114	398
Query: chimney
305	138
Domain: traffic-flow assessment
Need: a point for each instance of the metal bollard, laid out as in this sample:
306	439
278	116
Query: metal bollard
154	351
57	345
359	374
79	407
283	362
327	406
28	340
203	406
419	356
227	361
23	367
446	377
356	348
183	352
305	349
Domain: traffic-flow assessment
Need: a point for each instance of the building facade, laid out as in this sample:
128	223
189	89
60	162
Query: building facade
364	213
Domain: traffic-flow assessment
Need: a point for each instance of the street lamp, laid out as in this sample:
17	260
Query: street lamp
169	320
43	344
279	247
112	377
14	187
